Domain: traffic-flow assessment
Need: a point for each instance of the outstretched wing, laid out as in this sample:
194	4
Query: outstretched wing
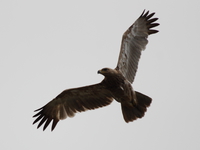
70	101
134	40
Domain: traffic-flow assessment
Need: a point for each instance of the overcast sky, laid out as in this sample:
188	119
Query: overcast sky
48	46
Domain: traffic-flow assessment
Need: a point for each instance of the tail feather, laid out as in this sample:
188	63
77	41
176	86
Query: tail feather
131	113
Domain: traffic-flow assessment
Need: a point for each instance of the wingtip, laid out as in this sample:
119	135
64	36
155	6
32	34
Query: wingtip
38	109
153	31
144	13
54	124
150	21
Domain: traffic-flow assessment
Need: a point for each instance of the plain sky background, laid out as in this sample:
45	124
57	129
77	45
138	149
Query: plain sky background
48	46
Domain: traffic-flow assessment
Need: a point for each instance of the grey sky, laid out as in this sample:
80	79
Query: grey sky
49	46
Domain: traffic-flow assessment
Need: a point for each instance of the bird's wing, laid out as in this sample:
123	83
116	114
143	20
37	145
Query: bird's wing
134	41
70	101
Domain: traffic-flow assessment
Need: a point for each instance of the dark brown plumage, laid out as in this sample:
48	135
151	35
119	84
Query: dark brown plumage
116	84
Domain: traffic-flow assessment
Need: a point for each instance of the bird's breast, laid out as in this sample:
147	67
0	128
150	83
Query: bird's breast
119	87
121	93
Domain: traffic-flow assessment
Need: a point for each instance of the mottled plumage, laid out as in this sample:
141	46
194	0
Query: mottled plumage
116	84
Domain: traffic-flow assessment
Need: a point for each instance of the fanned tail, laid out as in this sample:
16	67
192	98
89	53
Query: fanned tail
131	113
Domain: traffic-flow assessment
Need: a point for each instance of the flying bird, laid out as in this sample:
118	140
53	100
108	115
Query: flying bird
115	85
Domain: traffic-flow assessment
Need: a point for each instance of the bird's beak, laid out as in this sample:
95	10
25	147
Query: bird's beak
99	71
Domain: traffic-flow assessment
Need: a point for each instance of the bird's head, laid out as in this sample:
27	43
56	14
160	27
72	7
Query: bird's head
107	71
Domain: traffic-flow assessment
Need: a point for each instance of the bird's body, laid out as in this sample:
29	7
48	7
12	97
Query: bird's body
119	87
133	103
115	85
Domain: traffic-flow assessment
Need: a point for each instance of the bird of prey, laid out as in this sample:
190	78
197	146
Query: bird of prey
115	85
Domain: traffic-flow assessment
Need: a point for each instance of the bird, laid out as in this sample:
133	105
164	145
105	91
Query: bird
116	85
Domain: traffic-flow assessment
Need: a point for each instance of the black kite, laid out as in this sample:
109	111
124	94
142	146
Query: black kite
116	84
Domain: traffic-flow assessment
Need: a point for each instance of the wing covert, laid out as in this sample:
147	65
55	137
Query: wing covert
134	40
70	101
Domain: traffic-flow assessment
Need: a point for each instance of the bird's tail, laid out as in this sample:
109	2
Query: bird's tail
131	113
